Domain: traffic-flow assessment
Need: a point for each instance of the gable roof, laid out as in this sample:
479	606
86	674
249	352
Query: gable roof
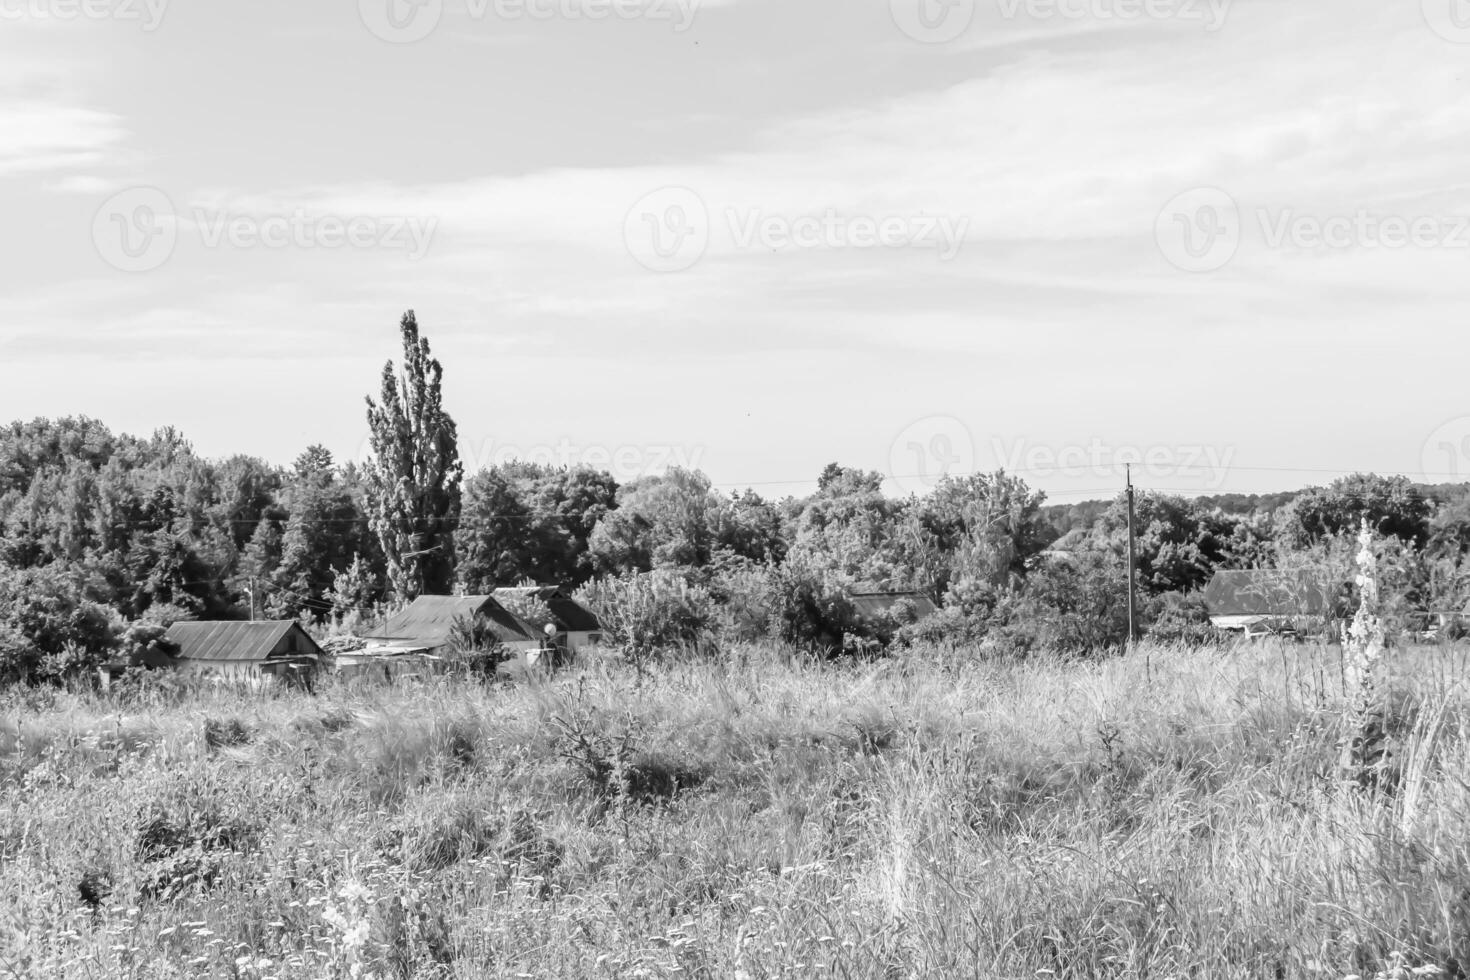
1267	592
239	642
568	615
429	620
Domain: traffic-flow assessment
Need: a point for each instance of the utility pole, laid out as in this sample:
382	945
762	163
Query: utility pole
1132	564
252	598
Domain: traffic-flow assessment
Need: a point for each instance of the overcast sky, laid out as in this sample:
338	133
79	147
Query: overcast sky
1231	240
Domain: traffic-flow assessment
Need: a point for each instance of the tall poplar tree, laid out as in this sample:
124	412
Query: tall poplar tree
414	478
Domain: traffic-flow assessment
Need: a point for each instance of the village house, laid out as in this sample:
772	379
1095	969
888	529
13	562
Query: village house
1264	600
250	652
427	626
576	626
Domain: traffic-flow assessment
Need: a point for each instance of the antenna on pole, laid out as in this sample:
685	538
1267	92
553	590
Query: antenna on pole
1132	565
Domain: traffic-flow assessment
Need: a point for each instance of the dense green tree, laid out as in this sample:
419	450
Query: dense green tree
746	526
523	521
990	523
48	628
323	535
414	480
849	521
1180	544
1391	505
660	522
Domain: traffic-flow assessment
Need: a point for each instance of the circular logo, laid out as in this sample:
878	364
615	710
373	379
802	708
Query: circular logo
933	21
1447	452
930	450
401	21
136	230
1199	231
1450	19
668	230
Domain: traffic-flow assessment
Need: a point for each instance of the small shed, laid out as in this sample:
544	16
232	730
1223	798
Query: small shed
909	607
1245	600
427	624
576	625
279	651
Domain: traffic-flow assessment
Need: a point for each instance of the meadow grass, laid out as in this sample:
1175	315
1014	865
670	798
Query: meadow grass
1169	813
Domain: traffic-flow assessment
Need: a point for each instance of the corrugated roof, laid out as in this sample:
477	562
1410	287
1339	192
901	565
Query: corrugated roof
429	620
1267	592
236	642
570	616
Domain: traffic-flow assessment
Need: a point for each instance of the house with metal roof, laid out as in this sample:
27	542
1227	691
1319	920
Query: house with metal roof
576	626
280	651
1254	599
427	624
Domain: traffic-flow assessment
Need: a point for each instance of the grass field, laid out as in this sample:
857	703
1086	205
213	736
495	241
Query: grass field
1173	813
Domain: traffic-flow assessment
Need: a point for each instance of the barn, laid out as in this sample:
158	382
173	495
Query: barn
576	625
1255	599
252	652
427	624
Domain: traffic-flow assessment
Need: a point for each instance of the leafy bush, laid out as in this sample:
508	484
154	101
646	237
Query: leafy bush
1179	617
809	607
474	646
48	629
952	626
742	591
531	609
644	614
1076	605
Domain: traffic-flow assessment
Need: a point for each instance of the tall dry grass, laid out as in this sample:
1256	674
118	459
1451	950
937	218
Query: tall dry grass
1173	813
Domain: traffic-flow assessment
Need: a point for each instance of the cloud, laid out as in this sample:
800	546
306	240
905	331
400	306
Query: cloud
40	137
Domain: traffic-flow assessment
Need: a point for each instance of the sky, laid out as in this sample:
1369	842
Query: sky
1224	240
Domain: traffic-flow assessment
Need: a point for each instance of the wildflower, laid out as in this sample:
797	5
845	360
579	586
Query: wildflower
355	891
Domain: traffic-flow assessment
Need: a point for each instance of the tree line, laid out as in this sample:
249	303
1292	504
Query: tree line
101	530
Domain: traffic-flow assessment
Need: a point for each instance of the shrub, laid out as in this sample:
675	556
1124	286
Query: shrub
1179	617
531	609
474	646
809	607
643	614
951	626
48	629
1074	606
742	591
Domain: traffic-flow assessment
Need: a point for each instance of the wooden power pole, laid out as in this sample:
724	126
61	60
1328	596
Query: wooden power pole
1132	565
